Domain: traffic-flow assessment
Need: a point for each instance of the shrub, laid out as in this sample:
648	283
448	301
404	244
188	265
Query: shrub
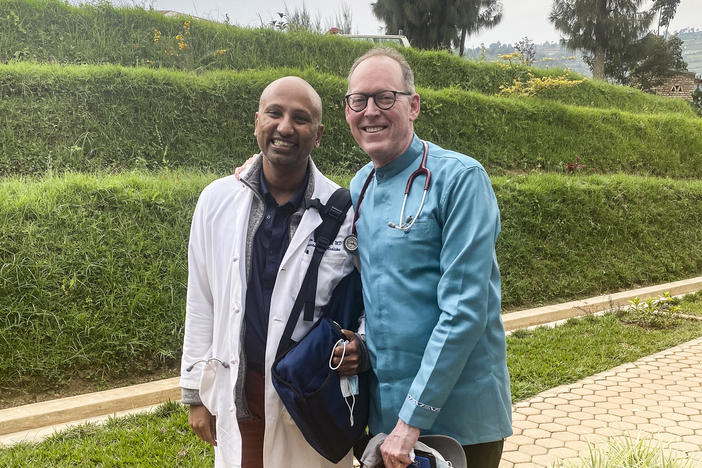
93	275
53	31
628	452
92	282
578	236
57	118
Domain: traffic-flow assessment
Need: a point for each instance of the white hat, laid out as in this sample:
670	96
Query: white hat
444	448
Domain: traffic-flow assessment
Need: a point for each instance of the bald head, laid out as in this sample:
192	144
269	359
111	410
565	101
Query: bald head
294	86
288	124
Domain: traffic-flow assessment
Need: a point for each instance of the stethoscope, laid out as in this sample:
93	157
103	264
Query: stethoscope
351	241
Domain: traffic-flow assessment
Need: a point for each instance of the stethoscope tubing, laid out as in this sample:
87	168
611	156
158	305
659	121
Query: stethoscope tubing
409	222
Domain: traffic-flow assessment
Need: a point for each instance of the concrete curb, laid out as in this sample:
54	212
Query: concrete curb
593	305
49	413
79	408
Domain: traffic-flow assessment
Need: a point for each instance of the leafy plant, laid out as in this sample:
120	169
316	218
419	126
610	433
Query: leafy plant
627	452
652	313
534	86
527	49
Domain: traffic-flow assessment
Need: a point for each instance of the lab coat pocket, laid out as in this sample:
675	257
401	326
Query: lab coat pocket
331	270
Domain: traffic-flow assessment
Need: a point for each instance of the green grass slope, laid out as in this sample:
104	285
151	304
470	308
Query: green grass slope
93	273
83	118
53	31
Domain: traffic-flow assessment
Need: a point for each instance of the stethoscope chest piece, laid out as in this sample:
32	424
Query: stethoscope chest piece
351	244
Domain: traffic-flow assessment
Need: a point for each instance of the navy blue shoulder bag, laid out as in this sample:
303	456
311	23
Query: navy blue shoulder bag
302	375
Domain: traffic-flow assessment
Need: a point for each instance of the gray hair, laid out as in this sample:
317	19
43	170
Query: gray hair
389	52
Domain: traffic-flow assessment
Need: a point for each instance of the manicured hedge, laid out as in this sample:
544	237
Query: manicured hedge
93	275
108	117
511	134
579	236
442	70
53	31
93	272
81	118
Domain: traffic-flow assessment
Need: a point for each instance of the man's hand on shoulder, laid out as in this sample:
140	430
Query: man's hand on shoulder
203	423
243	167
398	444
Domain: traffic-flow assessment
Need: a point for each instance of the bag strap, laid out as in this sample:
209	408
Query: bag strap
333	215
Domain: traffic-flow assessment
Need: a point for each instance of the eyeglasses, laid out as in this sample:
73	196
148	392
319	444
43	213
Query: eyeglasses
383	100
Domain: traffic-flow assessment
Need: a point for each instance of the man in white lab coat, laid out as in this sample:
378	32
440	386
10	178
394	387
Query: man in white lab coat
249	250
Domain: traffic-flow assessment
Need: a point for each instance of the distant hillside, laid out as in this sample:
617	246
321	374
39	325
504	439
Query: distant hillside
548	55
555	55
692	48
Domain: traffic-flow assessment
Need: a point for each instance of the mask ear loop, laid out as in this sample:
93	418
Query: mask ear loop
343	342
343	353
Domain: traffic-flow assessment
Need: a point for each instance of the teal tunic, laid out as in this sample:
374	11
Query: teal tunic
432	299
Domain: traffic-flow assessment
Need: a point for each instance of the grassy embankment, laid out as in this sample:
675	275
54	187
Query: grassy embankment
59	118
94	267
133	37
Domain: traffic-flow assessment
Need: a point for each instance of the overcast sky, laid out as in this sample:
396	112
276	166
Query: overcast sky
521	17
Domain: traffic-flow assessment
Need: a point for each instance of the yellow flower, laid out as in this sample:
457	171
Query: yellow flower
157	35
182	45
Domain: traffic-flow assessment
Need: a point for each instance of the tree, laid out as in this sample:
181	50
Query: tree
697	101
436	24
646	63
429	24
475	15
600	26
527	48
666	11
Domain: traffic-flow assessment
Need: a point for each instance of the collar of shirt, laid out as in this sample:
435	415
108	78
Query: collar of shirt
294	203
400	163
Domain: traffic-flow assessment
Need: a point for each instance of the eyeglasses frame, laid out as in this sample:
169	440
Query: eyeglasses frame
372	95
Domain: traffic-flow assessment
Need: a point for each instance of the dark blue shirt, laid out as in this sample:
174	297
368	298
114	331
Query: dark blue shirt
270	243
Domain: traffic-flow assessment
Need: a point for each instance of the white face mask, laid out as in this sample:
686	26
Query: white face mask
349	385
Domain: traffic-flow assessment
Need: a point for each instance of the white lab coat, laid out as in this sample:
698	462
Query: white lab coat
215	310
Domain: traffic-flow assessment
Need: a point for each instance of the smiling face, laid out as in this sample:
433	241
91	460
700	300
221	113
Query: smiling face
382	134
288	123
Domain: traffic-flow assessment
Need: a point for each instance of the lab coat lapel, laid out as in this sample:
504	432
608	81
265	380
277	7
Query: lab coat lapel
309	222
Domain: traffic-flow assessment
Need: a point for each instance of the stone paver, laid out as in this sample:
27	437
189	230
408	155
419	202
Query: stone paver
658	397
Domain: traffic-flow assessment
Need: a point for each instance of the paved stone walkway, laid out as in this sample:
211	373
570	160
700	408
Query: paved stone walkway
659	396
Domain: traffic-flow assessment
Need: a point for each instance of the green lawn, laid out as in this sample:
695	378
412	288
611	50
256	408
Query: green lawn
545	358
538	359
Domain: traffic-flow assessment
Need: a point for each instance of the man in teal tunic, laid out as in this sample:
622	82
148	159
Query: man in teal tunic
431	282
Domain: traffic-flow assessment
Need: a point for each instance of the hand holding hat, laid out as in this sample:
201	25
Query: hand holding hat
447	451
